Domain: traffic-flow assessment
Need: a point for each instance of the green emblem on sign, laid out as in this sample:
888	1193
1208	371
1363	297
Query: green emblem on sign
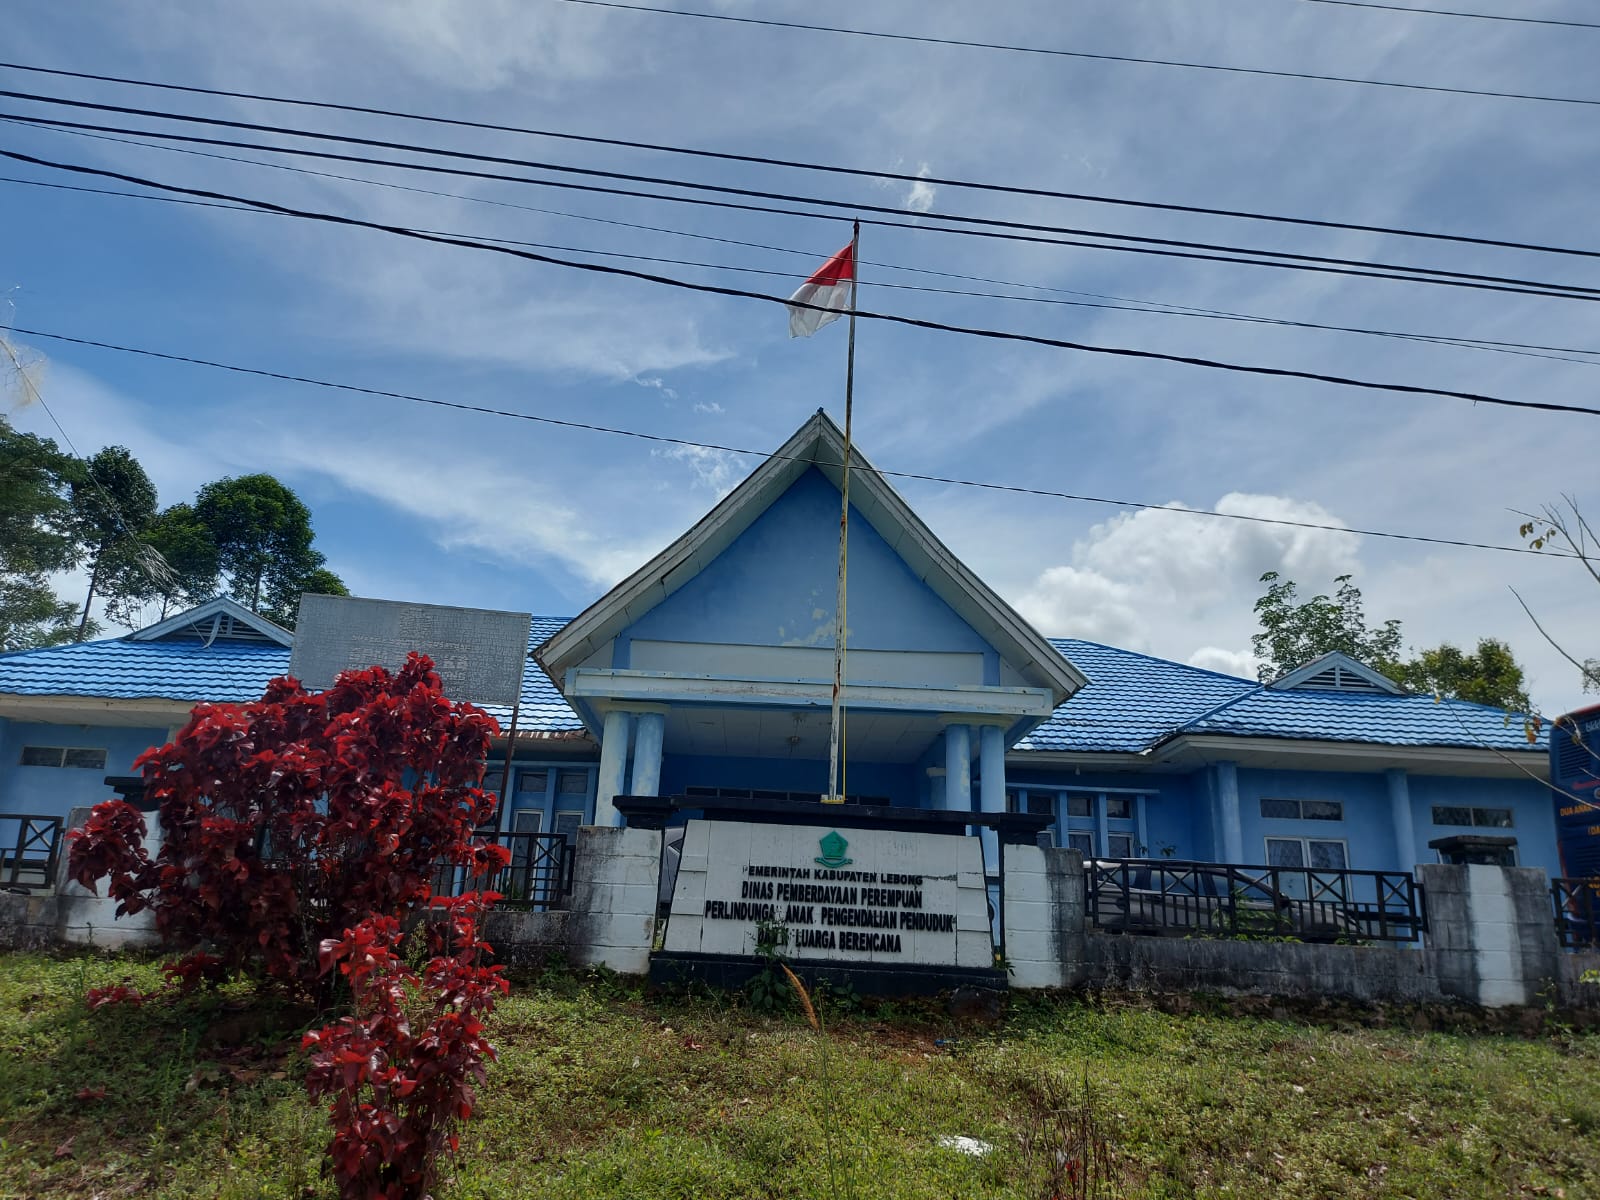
833	848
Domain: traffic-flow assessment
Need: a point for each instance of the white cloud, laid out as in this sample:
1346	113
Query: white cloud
712	408
1071	602
1229	662
720	471
920	196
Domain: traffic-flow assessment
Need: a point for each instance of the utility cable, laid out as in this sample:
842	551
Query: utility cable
1152	306
744	294
1551	353
1450	12
792	164
1083	54
1280	260
695	185
921	477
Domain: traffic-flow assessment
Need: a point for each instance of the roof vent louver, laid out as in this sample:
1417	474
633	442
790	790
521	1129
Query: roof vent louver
1336	672
219	620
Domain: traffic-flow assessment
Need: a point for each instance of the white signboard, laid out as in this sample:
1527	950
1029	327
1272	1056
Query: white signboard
478	652
847	895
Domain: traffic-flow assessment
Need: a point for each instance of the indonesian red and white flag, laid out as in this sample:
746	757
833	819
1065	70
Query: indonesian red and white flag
828	289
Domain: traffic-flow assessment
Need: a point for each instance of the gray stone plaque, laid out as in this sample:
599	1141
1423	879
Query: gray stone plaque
478	652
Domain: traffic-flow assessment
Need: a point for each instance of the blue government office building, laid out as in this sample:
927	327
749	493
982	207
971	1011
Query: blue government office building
708	673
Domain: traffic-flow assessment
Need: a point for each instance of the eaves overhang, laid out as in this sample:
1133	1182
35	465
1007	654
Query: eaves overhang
1308	754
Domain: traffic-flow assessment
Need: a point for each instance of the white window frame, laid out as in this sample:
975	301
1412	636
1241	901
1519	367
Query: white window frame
1300	803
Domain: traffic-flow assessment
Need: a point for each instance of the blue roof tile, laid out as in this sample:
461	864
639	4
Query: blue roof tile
1132	701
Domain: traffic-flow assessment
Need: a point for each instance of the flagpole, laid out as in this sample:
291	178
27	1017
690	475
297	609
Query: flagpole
834	796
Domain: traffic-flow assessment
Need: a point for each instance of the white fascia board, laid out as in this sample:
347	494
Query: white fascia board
657	687
1365	756
95	710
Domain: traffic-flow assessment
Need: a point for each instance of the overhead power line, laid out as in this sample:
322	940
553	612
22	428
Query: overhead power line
1159	307
923	477
853	207
1450	12
1119	304
826	168
1083	54
745	294
989	227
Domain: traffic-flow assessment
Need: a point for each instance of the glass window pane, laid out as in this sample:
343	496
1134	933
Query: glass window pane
491	781
1013	801
568	822
1119	808
1045	839
41	756
1079	804
1321	810
1283	810
1082	842
94	760
1449	814
1042	805
1285	852
1494	818
534	782
1327	856
572	783
1119	845
527	820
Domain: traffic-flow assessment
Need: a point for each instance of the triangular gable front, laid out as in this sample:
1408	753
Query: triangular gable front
901	554
219	619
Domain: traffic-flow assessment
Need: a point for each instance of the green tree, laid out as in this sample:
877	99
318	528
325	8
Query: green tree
284	607
1295	631
1562	528
35	540
112	502
1490	675
189	553
263	536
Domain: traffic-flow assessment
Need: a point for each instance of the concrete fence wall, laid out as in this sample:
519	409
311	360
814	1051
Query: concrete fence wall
1491	940
1491	936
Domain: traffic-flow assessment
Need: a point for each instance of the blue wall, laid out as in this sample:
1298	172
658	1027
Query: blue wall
897	781
1532	811
777	583
53	791
1367	828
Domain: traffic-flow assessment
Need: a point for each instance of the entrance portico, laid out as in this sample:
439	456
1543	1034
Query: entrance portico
709	671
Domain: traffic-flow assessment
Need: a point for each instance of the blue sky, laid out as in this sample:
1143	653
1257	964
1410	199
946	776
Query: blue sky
425	504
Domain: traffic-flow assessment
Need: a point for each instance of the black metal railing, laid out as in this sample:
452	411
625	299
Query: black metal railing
1577	905
539	875
30	847
1200	899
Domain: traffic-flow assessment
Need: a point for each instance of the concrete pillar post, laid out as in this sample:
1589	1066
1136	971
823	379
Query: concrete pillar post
1405	834
613	765
1228	805
958	768
992	788
651	728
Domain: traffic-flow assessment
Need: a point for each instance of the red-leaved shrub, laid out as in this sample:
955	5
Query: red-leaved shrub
402	1069
289	820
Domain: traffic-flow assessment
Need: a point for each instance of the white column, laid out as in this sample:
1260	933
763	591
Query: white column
647	740
1228	804
958	768
613	766
1405	834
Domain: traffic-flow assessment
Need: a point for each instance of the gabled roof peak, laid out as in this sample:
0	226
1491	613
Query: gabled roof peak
819	444
221	619
1336	672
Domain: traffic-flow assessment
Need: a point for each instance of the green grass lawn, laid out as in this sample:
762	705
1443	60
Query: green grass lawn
602	1092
